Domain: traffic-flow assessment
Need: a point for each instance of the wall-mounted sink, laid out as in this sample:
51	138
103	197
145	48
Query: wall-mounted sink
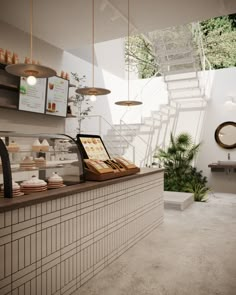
227	162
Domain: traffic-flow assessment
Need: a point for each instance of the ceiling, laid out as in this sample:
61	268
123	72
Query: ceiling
68	24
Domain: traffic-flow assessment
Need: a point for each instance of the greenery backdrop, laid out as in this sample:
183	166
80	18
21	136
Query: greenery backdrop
219	41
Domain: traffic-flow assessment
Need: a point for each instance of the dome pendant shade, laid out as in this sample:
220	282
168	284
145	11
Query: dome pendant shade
92	91
128	103
26	70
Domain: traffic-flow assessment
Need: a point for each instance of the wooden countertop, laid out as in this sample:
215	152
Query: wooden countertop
27	200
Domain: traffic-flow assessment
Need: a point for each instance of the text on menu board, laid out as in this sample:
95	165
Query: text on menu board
32	97
94	148
57	93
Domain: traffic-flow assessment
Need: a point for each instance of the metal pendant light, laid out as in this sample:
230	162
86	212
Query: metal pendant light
30	70
92	91
128	103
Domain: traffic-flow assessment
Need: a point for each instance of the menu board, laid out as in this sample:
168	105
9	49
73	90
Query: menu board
94	148
32	97
57	93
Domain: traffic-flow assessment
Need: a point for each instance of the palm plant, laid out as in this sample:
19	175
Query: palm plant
177	160
199	190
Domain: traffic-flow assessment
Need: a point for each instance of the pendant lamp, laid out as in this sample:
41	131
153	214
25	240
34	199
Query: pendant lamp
92	91
31	71
128	102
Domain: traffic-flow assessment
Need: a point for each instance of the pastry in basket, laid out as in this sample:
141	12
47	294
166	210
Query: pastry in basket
27	164
45	146
40	162
15	189
13	147
36	146
33	185
55	181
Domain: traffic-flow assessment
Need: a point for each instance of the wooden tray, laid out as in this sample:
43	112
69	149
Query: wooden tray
90	175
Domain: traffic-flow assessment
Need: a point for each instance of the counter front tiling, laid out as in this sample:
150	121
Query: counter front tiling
54	241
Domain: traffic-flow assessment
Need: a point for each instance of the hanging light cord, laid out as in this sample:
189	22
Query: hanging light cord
93	46
31	31
128	49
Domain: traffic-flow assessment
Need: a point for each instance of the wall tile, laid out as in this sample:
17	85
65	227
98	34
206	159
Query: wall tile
7	218
49	282
21	253
27	213
33	212
5	290
65	248
33	248
39	285
2	223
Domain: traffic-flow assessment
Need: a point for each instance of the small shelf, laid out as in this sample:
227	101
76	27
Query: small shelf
70	116
11	87
42	152
58	165
72	85
9	106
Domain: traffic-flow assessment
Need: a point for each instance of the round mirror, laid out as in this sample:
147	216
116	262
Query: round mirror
225	135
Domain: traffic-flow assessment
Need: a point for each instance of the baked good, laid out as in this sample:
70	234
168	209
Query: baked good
13	147
33	185
55	181
27	164
45	146
40	162
36	146
15	189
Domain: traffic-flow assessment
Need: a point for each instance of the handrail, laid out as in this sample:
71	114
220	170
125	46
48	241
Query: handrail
134	133
113	128
203	57
131	129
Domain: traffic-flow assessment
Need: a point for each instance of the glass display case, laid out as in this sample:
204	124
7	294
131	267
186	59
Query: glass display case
37	162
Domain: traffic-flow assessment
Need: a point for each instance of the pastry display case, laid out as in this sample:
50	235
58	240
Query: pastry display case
38	162
98	164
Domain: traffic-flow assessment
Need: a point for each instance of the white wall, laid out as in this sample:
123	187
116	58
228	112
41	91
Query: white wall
216	113
153	94
18	41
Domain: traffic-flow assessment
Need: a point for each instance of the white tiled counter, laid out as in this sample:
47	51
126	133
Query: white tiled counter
54	246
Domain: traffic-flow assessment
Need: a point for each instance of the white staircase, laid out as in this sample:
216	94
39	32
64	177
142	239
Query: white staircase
179	63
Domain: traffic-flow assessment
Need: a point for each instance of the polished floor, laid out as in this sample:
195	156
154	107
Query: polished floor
192	253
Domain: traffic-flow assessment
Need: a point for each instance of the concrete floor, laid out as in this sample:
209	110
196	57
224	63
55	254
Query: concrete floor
192	253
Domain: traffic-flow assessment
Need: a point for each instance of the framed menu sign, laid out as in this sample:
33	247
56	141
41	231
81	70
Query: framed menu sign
92	147
32	97
57	94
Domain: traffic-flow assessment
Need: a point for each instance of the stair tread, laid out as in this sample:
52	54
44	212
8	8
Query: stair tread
179	61
184	88
175	51
169	74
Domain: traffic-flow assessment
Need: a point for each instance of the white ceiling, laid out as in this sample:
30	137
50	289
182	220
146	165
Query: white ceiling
67	24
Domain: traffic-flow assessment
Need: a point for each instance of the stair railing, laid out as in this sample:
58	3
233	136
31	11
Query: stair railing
136	136
205	63
101	130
